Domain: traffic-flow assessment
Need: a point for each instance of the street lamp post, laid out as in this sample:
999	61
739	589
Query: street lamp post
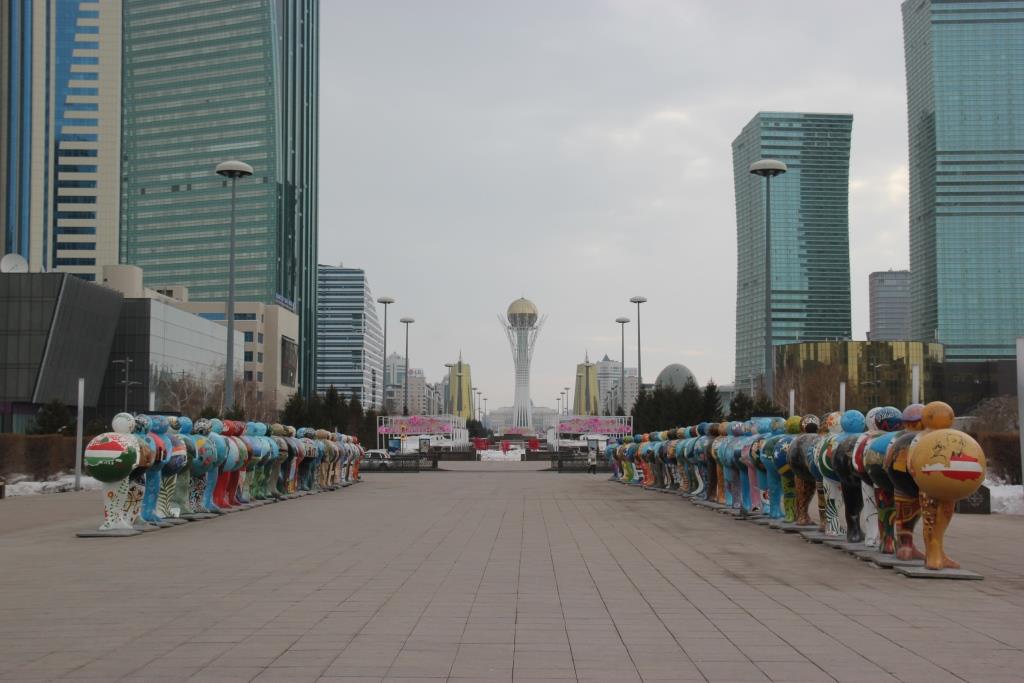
768	169
406	322
639	375
565	404
386	301
472	399
233	170
622	368
485	412
127	362
558	403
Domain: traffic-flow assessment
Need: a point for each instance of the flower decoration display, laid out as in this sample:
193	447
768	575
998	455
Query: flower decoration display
415	424
594	425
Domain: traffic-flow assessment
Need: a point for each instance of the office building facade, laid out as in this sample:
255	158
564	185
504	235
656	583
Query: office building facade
889	305
227	79
624	398
270	354
60	133
608	372
175	361
350	339
810	262
876	373
965	107
54	329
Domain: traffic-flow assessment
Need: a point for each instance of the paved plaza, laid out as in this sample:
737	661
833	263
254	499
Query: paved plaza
486	575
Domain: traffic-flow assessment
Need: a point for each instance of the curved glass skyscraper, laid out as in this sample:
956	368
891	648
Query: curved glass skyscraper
810	289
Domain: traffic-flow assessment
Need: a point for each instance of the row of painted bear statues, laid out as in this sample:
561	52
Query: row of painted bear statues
874	475
158	471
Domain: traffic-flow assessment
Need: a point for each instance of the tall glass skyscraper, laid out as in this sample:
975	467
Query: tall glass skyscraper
810	289
60	133
350	344
204	83
965	106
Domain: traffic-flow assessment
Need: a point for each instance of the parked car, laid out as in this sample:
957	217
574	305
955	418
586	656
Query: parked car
376	459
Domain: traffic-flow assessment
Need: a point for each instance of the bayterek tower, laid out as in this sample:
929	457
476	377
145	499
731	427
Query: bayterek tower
522	325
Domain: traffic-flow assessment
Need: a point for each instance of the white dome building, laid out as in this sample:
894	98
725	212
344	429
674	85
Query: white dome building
675	376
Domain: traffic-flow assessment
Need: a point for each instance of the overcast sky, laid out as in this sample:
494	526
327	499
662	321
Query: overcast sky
578	153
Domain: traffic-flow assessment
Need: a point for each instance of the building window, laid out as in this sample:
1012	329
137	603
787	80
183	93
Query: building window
212	316
248	337
248	356
259	356
260	337
259	376
245	316
248	375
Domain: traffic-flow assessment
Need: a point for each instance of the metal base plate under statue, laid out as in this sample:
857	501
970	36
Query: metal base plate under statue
109	533
919	571
886	561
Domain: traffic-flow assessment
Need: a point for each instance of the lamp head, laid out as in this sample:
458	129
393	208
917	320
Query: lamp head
407	320
385	300
768	168
234	169
622	321
639	300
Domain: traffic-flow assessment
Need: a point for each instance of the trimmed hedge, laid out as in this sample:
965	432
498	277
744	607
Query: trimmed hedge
38	456
1002	451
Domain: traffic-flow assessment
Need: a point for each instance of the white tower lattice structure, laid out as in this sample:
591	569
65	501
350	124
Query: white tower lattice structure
521	326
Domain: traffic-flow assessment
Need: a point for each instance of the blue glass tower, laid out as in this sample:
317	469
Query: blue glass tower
965	106
810	266
60	118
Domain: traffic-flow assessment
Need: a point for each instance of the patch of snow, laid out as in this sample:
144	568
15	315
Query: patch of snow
1006	499
20	485
513	455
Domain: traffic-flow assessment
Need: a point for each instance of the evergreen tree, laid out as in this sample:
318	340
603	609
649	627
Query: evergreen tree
476	429
335	409
741	407
294	412
763	407
368	430
208	412
711	403
53	418
355	415
691	403
314	412
639	413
